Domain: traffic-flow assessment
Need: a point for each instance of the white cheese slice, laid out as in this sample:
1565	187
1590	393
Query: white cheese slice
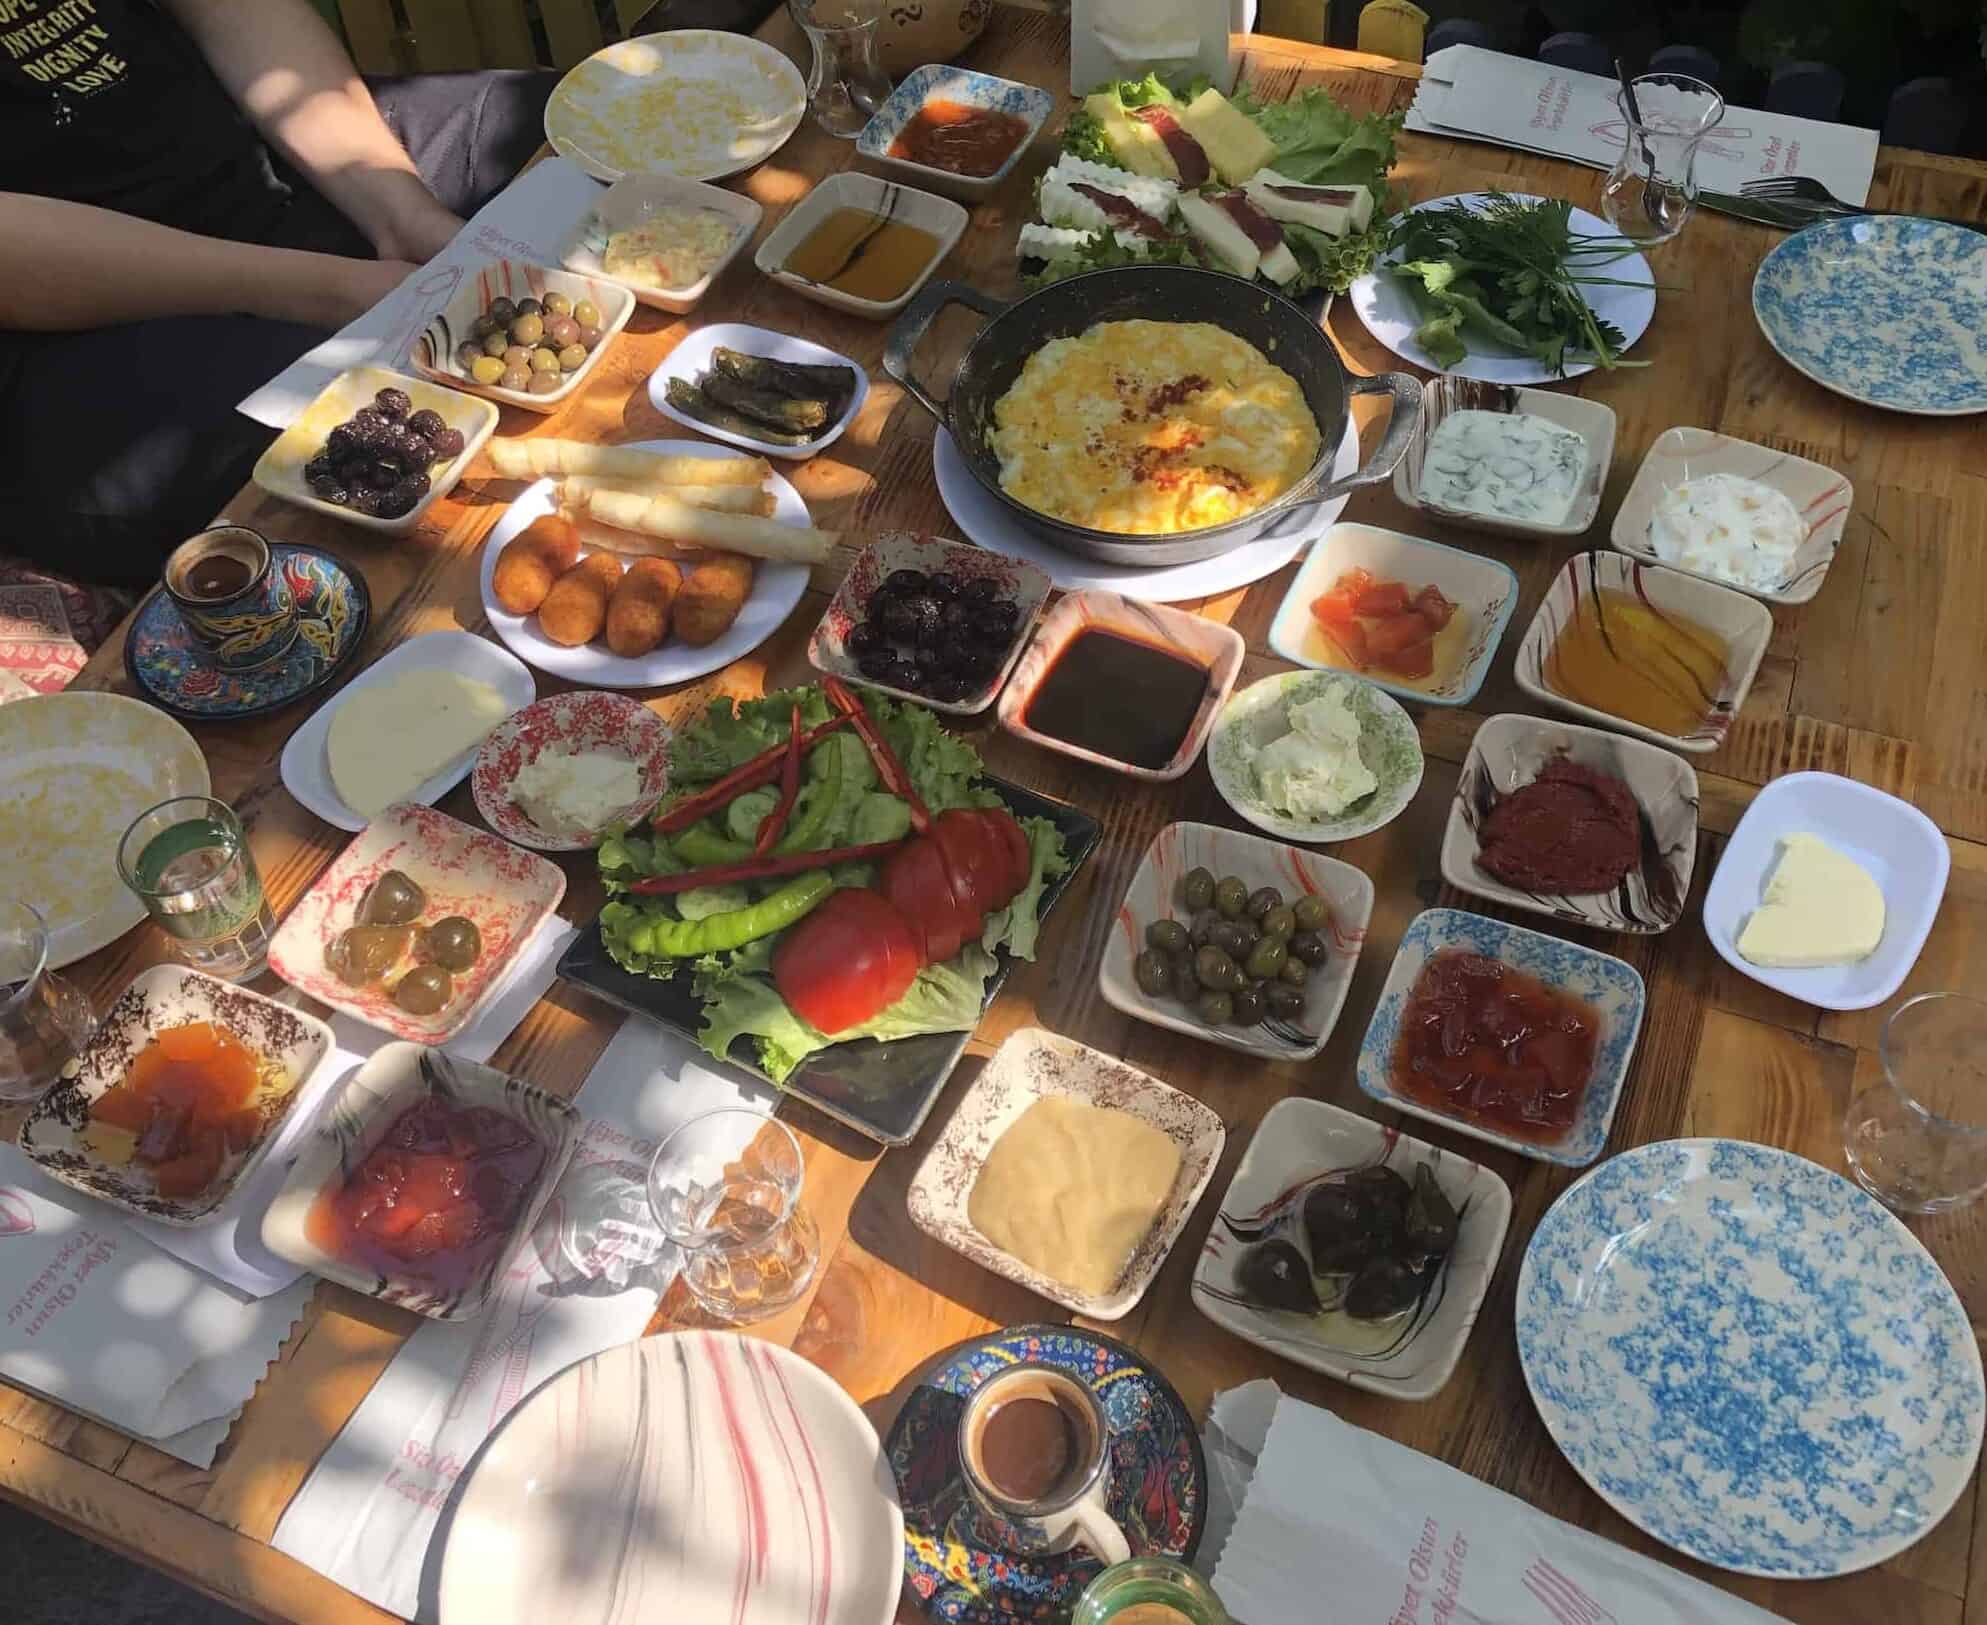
387	739
1820	908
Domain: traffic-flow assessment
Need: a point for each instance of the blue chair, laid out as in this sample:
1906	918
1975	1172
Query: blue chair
1458	31
1806	90
1691	60
1928	114
1583	53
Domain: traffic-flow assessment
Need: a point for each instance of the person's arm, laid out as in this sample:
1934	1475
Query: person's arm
289	73
65	266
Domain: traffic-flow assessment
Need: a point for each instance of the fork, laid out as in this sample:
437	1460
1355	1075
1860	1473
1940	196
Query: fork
1806	190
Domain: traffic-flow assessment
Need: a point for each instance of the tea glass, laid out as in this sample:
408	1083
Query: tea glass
846	82
1652	189
1155	1584
1917	1137
189	864
44	1020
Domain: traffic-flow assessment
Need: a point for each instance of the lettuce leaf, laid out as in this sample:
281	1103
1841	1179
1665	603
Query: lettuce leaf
1320	143
1104	252
1019	925
1333	262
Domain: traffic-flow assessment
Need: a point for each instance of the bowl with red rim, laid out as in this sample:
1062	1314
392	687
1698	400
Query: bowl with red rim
585	722
1015	581
433	354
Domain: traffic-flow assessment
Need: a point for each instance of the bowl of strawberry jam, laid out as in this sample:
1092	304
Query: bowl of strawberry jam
424	1181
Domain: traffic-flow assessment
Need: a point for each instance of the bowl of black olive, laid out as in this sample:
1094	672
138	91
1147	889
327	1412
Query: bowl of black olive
1237	938
1353	1249
376	448
926	619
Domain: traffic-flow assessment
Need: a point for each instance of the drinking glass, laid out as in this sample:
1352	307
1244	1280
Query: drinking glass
44	1020
1917	1139
1651	190
725	1189
846	82
1155	1583
189	863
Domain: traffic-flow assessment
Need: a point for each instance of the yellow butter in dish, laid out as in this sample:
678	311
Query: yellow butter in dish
1820	908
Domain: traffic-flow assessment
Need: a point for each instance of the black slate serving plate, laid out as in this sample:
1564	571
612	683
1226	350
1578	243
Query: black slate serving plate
882	1089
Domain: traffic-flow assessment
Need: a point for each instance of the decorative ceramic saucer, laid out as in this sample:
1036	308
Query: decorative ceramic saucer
333	610
1158	1478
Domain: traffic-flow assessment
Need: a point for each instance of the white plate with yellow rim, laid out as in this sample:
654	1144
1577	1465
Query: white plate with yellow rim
696	103
75	770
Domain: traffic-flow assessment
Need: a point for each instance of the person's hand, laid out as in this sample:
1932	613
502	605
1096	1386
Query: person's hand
364	284
327	290
420	229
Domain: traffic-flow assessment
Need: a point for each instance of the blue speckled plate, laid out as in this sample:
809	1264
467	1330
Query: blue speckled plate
1158	1478
333	608
1750	1358
1611	987
1887	310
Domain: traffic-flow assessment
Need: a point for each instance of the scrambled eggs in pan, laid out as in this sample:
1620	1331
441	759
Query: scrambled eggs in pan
1148	428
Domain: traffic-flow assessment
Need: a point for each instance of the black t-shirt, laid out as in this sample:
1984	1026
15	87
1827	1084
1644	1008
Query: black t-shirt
110	102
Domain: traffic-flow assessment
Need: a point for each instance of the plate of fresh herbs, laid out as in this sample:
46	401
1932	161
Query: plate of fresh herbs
1508	288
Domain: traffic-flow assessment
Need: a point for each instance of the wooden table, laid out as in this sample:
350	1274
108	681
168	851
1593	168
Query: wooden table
1883	677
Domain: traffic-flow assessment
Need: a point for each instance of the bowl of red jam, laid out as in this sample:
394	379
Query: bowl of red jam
1510	1035
425	1180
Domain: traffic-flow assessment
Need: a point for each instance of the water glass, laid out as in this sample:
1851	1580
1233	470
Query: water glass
1651	190
1917	1139
189	863
725	1189
846	82
44	1020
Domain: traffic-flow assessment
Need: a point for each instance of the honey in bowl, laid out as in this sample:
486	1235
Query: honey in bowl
864	255
1622	655
185	1106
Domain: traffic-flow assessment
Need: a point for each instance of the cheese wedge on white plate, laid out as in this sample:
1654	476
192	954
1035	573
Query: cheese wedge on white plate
1820	908
389	738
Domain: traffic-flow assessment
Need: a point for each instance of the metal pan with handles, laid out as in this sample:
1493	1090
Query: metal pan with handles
1016	330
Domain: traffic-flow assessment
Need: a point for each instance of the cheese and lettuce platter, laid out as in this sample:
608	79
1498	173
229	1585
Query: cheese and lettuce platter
1151	173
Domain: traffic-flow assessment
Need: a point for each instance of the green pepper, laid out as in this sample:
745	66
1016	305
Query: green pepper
665	938
817	805
700	846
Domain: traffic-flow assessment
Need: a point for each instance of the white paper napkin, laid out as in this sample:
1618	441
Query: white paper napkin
98	1319
1514	101
367	1513
1391	1534
528	220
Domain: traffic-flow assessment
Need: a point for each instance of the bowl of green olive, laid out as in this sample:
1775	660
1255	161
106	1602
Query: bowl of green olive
1242	940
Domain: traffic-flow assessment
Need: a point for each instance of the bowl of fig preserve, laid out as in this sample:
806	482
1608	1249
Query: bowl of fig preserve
424	1180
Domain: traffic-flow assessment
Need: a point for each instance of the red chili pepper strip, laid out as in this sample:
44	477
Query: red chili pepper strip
776	820
762	769
766	868
888	768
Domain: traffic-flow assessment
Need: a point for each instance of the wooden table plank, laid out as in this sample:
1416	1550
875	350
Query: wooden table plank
1883	677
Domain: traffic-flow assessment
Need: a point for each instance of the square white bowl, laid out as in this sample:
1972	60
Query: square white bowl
1744	623
632	200
1507	754
1030	1065
307	771
361	1112
1592	421
1902	849
433	351
1486	589
1217	648
1024	585
1611	987
943	218
1821	496
692	358
280	469
1154	894
1298	1143
292	1045
938	82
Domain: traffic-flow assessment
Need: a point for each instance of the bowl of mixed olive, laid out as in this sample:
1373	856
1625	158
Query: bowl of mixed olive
522	334
1238	939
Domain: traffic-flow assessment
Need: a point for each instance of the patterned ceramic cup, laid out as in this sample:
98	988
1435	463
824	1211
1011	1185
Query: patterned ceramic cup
1035	1450
236	605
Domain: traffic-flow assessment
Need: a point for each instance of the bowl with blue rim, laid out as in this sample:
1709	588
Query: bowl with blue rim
935	82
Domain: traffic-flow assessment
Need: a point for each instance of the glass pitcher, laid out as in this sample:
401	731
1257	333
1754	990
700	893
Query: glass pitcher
846	82
1652	189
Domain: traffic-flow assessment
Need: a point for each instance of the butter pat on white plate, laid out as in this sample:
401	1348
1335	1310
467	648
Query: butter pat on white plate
1819	908
389	738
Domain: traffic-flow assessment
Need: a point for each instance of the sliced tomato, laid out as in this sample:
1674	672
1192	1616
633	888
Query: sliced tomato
1433	607
917	880
1386	638
1021	856
979	861
854	956
1344	629
1413	660
1382	598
